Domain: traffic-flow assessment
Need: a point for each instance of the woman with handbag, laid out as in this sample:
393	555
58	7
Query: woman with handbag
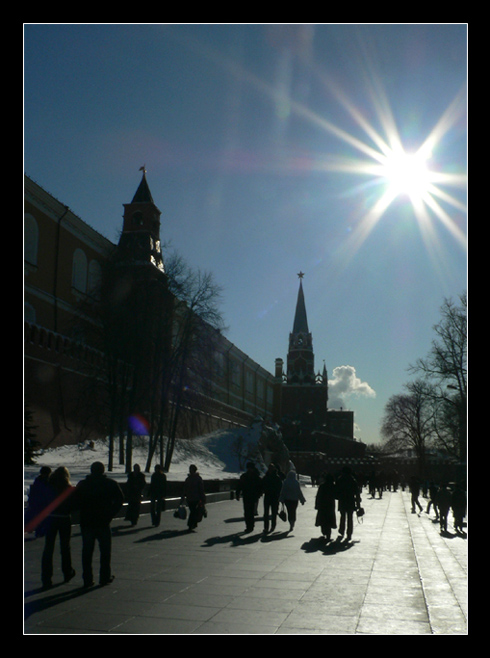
291	495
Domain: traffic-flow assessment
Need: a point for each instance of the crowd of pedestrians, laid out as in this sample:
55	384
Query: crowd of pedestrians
443	497
53	499
278	490
98	499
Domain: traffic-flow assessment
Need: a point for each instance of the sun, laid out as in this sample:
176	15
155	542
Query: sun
407	174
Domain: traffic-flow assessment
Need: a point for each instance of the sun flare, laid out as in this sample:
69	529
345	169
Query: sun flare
407	174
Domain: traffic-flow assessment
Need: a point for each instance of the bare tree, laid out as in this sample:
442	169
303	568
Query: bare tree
445	372
158	331
409	421
197	325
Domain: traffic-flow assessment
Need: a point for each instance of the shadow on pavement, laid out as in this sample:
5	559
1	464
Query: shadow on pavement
327	547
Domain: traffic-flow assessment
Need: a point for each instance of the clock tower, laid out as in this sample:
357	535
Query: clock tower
300	361
301	395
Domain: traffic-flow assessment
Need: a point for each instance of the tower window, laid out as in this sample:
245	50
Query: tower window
137	218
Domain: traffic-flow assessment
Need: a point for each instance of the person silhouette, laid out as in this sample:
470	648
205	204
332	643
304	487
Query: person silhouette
271	487
157	493
99	499
349	497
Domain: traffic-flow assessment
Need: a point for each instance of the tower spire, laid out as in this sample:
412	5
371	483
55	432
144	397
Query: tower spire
300	320
140	237
143	194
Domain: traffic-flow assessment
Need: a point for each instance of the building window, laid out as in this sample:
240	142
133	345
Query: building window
29	313
219	364
235	373
79	272
31	239
260	389
137	218
250	381
94	279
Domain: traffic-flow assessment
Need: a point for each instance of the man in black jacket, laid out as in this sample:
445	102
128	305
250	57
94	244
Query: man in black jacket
99	499
250	488
349	497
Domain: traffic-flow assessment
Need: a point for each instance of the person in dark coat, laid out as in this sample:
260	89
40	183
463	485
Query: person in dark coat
458	504
415	493
444	496
99	499
433	489
349	497
195	497
40	495
325	506
58	523
134	490
157	493
271	487
250	489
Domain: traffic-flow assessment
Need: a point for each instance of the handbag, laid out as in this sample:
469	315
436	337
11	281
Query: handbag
181	513
283	515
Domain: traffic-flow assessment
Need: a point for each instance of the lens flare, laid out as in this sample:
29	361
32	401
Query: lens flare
138	424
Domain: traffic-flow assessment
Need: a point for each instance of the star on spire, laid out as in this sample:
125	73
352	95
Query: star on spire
300	275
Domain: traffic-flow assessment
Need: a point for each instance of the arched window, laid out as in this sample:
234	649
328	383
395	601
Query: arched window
94	279
31	239
79	272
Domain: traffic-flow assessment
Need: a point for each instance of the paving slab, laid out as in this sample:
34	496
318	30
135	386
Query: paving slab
397	576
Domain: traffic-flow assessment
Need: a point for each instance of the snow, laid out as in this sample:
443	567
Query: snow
219	455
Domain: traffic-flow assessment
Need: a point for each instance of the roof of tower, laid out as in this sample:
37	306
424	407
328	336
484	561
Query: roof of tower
300	320
143	194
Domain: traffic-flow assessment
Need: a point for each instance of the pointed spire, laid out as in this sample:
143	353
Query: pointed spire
143	194
300	319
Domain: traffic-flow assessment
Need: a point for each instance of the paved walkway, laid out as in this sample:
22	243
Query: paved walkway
398	576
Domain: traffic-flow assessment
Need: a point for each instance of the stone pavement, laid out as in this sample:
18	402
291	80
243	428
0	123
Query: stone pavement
398	576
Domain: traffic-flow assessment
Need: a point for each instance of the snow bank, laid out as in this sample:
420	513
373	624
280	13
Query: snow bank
219	455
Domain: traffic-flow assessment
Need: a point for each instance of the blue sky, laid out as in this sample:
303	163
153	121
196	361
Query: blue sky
271	149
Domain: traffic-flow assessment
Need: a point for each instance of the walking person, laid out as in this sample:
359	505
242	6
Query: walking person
157	493
58	523
40	495
415	493
195	497
325	506
99	499
458	504
433	489
250	489
444	497
134	491
349	497
271	487
291	495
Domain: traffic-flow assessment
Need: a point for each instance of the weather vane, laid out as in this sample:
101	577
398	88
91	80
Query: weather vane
143	169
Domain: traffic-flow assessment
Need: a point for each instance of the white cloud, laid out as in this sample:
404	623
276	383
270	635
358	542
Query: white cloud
345	383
